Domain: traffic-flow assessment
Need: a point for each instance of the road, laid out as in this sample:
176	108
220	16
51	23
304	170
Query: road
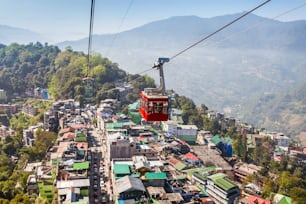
100	167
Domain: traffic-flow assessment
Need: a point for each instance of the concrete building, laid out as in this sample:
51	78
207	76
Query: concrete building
8	109
32	186
3	97
129	188
51	120
29	134
282	141
121	147
6	131
187	133
170	127
29	109
242	170
221	189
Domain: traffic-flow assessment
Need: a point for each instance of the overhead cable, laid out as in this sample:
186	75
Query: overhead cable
259	24
119	27
220	29
90	35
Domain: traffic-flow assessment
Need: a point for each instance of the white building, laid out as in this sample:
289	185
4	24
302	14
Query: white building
221	189
170	127
29	134
187	133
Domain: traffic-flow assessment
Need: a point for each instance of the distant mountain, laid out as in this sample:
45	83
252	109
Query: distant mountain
10	35
176	32
253	56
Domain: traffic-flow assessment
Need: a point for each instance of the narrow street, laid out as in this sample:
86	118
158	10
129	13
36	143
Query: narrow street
100	172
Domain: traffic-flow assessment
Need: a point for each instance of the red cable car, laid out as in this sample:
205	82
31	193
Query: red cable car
154	103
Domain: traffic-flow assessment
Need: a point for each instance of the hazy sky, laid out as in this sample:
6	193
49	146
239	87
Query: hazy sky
60	20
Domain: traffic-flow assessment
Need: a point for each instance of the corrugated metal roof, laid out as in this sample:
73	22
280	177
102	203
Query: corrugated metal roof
72	183
81	165
128	183
180	166
216	139
191	156
222	181
156	175
121	169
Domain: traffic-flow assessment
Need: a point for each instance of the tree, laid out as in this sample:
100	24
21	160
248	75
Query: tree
44	140
298	195
268	187
284	182
21	198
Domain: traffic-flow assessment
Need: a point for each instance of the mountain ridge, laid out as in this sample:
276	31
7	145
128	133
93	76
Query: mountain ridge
10	34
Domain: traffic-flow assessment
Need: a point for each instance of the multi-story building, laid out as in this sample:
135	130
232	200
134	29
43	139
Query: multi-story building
29	134
8	109
170	127
282	141
121	147
242	170
29	110
3	97
221	189
187	133
124	147
5	131
51	120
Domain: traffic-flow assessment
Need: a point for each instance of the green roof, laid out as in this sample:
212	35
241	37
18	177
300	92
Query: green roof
46	190
200	172
222	181
121	169
282	199
200	169
114	125
81	165
80	139
180	166
216	139
135	175
156	175
200	176
79	134
134	106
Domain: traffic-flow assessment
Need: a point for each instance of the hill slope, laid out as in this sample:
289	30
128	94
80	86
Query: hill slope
284	112
254	56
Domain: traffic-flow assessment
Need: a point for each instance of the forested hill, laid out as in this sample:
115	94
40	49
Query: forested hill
24	67
284	112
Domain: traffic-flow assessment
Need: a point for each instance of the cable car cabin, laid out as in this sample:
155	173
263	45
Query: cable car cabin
154	106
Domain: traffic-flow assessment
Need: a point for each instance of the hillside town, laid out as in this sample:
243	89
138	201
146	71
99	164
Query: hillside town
102	155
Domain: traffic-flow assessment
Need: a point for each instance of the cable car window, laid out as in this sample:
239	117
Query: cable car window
157	106
150	108
165	108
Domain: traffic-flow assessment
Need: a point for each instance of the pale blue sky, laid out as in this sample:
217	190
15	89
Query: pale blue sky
61	20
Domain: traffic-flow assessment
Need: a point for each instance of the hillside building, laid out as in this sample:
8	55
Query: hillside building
221	189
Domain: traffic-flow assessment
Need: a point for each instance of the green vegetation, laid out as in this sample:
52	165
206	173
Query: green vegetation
71	69
12	177
279	112
26	66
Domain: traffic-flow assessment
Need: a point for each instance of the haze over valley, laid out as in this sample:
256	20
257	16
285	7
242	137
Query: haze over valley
231	72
